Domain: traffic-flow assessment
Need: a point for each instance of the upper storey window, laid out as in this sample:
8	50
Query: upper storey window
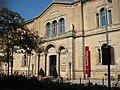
102	16
62	25
55	28
110	16
97	17
48	29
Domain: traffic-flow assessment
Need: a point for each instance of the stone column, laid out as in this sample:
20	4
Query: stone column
58	63
47	66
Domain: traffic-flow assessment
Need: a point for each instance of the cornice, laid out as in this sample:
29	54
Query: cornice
60	36
73	34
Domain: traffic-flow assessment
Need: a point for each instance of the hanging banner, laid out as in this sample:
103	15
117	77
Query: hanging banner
87	59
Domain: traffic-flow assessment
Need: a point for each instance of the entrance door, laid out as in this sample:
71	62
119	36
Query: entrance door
53	71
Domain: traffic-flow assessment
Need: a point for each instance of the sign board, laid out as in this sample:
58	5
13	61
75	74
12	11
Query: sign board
87	59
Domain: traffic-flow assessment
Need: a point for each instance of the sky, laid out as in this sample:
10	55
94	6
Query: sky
28	8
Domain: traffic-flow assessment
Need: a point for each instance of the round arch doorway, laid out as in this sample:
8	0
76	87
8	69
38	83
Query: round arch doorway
52	68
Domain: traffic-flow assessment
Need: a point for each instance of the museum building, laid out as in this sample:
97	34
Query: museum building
74	32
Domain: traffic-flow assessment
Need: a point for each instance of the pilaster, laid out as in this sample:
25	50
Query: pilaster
71	56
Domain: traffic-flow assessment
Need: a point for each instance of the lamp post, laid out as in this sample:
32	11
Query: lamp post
106	22
107	40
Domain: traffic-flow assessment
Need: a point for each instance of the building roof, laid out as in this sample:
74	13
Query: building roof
54	2
65	1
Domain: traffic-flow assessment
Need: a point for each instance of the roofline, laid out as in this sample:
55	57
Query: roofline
65	3
28	21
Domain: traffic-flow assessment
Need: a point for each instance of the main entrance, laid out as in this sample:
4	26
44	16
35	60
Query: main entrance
53	71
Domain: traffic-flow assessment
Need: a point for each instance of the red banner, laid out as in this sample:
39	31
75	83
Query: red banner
87	59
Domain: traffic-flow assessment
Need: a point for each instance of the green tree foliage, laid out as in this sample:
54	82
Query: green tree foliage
10	22
13	33
30	41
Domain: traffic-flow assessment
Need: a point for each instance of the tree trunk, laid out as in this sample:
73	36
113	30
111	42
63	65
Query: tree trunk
12	63
8	54
8	60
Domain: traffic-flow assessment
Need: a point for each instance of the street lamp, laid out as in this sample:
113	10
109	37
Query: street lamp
107	40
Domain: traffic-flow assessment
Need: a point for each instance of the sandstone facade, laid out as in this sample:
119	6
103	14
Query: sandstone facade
65	50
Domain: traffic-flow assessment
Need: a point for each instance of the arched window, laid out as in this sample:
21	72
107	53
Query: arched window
101	21
97	17
102	16
62	25
55	27
48	29
110	16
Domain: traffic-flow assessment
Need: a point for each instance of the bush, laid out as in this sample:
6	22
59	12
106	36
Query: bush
22	83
